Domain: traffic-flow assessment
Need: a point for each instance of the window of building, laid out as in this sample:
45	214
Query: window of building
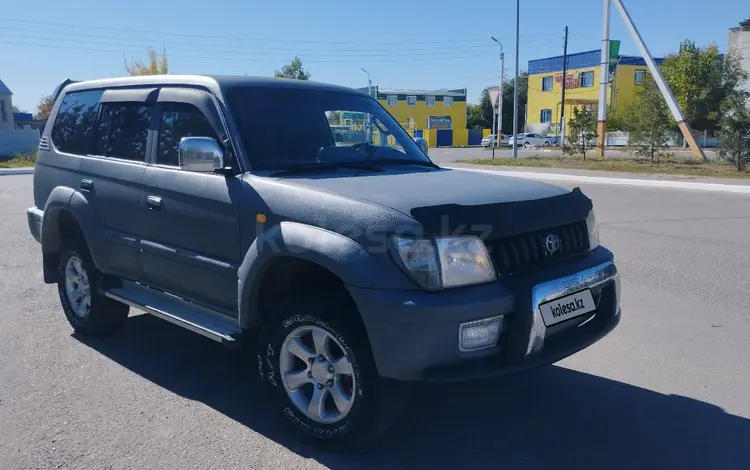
640	75
547	83
411	100
587	79
447	101
410	123
429	101
546	116
3	114
180	120
123	131
392	99
75	121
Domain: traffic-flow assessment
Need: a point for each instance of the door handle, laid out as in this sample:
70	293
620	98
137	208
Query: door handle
87	185
153	202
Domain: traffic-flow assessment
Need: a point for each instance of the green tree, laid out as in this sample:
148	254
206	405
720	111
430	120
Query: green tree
649	121
293	70
156	64
484	115
523	98
734	129
701	79
582	128
474	116
44	108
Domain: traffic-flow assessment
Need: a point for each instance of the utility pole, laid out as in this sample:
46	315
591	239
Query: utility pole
515	84
369	92
601	139
564	83
498	131
672	104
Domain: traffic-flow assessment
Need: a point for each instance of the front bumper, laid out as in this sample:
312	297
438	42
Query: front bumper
414	334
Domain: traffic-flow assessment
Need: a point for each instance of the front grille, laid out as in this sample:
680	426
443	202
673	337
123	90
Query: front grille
520	253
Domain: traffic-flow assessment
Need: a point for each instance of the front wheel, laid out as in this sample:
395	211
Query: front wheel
318	367
546	143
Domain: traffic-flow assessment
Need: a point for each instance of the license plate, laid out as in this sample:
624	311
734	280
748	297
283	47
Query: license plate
568	307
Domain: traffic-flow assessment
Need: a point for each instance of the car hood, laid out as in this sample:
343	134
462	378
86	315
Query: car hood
460	200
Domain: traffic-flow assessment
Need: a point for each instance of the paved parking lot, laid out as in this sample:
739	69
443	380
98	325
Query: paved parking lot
668	389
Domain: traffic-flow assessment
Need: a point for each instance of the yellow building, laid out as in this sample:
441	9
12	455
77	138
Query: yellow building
425	109
581	86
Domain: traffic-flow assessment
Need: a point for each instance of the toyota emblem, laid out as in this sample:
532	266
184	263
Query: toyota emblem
552	243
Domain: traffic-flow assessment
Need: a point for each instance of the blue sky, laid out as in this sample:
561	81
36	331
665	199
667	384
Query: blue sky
402	44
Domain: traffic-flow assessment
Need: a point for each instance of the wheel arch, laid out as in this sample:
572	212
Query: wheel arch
67	214
304	249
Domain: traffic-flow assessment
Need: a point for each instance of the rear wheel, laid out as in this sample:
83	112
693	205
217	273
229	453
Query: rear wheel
526	145
87	311
316	363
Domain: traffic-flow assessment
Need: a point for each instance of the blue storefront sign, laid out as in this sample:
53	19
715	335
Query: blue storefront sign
439	122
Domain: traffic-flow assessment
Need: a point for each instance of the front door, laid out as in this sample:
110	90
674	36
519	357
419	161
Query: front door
191	240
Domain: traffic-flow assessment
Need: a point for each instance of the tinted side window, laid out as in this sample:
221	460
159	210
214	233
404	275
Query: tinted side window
123	131
180	120
75	120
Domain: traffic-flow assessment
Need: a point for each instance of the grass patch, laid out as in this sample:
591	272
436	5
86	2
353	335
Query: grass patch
19	161
627	165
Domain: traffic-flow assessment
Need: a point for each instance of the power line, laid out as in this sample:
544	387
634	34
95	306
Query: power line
251	59
235	38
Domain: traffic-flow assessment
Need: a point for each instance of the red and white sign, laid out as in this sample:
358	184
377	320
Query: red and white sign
572	80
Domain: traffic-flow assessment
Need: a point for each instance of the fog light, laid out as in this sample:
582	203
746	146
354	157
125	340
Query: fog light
479	334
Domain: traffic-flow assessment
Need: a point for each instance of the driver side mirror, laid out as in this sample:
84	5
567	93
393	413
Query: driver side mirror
200	154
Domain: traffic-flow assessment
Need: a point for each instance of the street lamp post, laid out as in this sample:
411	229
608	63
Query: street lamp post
500	96
515	86
369	92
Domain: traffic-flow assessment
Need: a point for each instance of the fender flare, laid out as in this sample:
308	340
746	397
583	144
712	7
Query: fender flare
66	199
342	256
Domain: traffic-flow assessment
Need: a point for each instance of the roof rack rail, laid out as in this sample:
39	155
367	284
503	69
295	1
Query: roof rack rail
60	87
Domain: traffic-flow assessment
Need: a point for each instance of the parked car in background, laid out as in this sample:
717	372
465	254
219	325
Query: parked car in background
422	143
527	140
491	140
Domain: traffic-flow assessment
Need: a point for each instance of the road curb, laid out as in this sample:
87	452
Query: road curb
16	171
668	184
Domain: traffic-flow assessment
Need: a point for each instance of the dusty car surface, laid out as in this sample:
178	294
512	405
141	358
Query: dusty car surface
350	266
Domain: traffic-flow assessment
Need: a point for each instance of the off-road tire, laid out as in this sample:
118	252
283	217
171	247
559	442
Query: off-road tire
377	403
105	315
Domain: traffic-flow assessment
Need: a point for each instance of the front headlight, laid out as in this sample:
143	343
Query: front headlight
446	262
593	230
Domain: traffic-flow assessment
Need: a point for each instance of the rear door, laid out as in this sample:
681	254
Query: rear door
191	242
111	177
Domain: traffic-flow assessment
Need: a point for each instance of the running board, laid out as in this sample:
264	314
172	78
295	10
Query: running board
186	314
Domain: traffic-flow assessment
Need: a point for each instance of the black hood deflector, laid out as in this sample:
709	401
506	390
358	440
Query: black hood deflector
504	219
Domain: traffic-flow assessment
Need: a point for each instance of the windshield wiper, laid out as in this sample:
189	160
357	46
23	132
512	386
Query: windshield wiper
401	161
324	167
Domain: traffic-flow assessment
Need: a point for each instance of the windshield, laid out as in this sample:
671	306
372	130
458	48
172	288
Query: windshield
284	128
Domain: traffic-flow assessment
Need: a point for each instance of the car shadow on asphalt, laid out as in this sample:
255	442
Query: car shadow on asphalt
550	418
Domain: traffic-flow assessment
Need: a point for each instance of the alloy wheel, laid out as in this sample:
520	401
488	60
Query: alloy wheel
317	374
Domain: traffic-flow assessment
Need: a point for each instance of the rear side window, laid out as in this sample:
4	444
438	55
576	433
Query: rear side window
180	120
123	131
75	121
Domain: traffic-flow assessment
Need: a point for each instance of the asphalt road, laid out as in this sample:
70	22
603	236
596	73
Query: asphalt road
449	155
667	389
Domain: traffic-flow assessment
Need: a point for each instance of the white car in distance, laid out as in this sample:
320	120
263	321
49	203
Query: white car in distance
527	140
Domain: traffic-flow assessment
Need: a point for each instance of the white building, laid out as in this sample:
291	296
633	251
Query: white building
739	43
13	141
6	108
